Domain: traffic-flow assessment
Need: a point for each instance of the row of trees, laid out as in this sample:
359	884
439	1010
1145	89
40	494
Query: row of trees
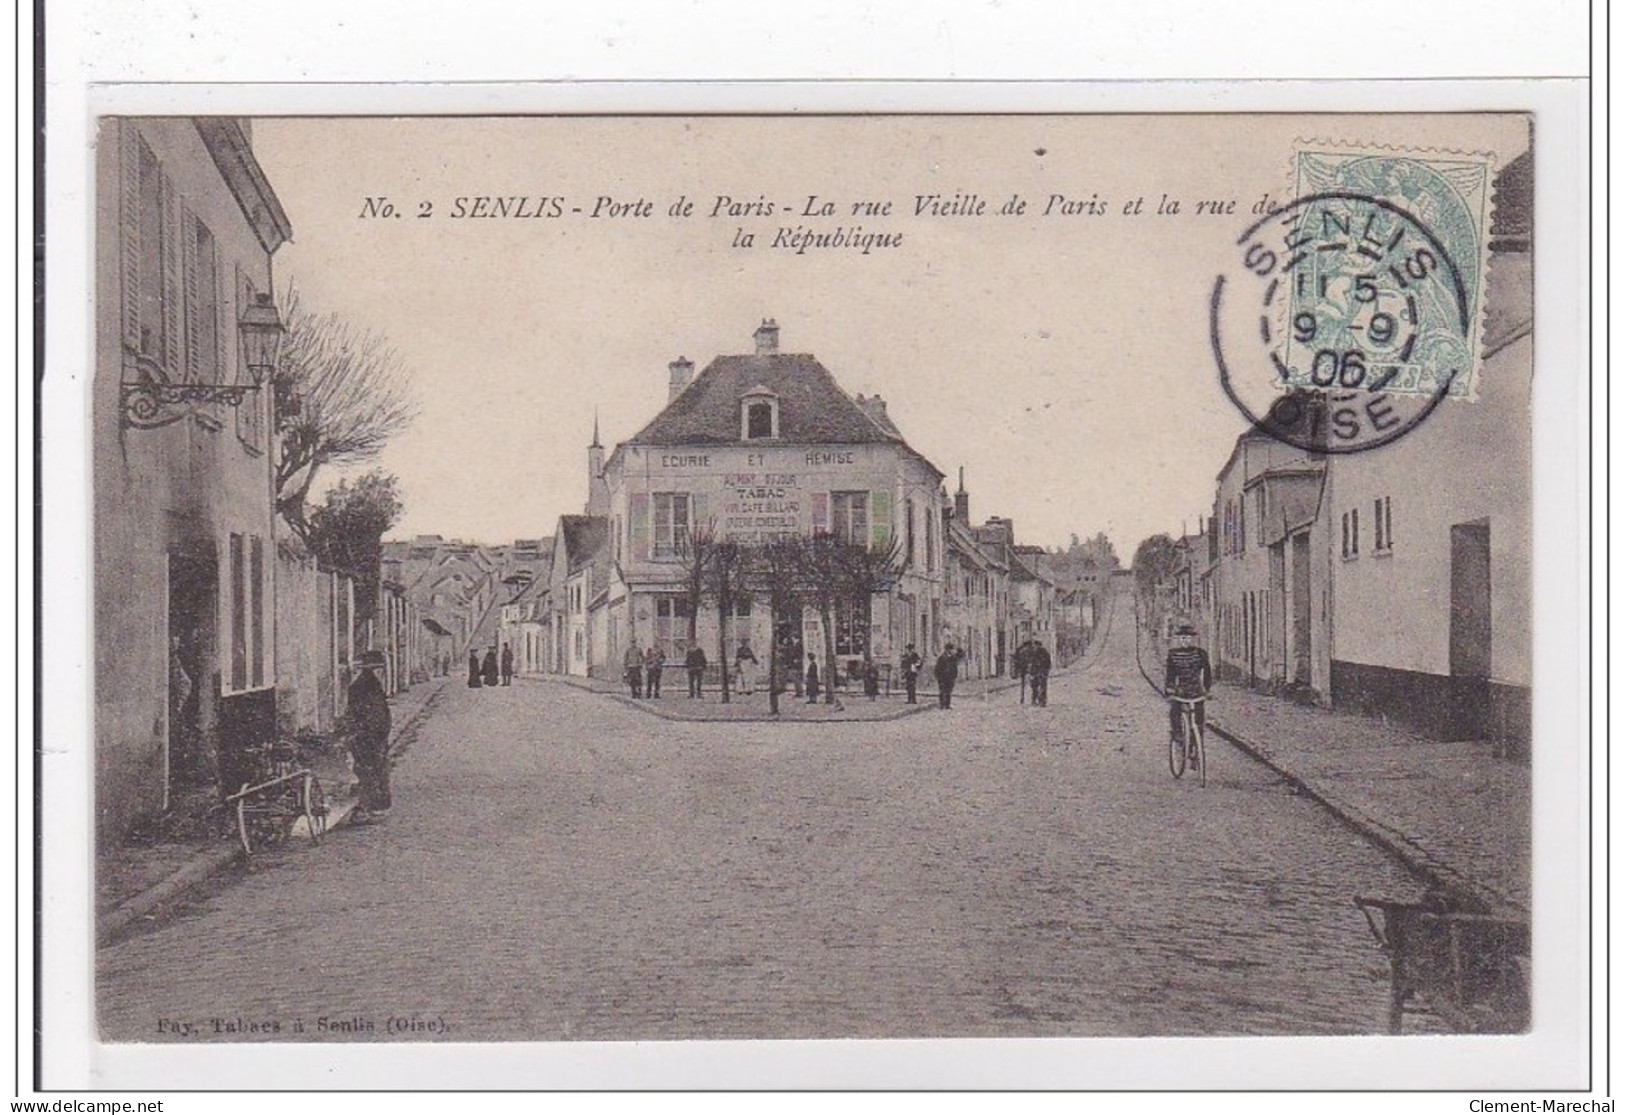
787	574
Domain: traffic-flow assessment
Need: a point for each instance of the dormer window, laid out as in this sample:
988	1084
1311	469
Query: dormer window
758	415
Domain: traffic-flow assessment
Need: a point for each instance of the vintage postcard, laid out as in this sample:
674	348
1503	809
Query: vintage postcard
710	578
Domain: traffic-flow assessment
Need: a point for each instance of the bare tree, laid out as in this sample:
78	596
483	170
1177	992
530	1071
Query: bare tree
341	394
727	584
867	571
696	548
775	572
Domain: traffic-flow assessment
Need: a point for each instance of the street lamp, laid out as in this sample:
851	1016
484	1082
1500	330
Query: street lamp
154	401
262	331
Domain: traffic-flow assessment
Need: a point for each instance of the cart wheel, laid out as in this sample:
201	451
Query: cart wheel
315	808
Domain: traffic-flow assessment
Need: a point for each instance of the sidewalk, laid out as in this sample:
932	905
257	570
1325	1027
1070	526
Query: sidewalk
1452	812
134	880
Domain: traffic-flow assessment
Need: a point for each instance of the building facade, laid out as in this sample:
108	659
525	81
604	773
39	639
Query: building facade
755	446
184	534
1433	535
1397	582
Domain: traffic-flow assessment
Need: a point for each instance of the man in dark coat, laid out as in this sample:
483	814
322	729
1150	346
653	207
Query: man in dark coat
694	663
488	669
1021	664
473	668
367	731
1038	668
812	679
911	664
507	665
947	673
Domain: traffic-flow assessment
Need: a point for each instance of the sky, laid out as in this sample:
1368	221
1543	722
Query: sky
1061	359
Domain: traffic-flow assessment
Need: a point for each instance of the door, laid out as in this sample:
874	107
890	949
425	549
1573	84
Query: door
1470	629
189	758
1301	596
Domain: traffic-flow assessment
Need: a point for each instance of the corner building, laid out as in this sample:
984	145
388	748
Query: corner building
755	446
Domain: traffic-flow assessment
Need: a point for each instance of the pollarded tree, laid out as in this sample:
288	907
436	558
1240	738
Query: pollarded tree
341	394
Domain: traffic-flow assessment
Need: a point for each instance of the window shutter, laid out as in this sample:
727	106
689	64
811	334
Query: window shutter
820	512
880	525
168	206
639	512
699	520
225	326
130	235
189	287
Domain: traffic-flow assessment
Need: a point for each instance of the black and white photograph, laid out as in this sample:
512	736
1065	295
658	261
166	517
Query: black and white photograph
723	578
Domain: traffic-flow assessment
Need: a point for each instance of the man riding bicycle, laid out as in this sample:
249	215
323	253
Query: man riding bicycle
1189	675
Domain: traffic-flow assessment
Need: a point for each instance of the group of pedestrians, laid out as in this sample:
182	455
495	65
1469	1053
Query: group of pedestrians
492	670
945	670
1032	664
643	667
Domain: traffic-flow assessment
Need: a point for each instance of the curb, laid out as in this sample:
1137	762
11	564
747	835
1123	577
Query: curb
651	708
646	705
214	860
1418	860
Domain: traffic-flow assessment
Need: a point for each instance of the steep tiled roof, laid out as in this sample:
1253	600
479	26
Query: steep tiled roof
812	407
584	535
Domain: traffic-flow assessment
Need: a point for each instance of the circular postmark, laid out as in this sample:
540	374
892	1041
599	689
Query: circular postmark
1340	324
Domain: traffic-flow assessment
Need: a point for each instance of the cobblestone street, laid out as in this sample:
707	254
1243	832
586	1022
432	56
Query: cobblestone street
562	866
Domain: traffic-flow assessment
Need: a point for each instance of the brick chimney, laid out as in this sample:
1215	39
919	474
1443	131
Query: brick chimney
767	338
962	500
682	372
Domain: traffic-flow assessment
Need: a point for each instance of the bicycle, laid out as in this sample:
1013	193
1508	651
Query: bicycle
1189	746
281	795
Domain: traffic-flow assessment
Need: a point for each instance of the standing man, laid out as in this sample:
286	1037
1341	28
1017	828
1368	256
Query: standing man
654	664
632	669
1038	668
1021	664
473	668
367	731
507	665
910	665
812	679
694	663
947	672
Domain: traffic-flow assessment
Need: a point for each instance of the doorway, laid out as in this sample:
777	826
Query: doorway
1302	658
189	758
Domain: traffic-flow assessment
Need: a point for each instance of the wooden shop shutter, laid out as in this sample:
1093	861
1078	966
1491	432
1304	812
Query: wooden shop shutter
820	512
